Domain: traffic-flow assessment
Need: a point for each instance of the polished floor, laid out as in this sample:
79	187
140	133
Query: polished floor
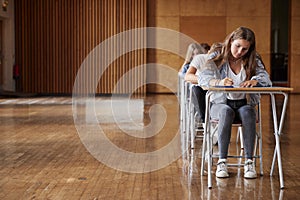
56	148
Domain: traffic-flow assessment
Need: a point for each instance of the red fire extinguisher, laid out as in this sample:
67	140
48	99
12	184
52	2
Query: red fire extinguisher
16	71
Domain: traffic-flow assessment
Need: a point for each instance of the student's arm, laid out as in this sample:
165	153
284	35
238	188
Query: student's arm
262	77
210	76
190	75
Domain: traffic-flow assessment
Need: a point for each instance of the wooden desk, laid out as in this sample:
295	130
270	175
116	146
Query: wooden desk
272	91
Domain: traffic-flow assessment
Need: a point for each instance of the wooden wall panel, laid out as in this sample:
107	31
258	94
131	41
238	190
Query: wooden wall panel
166	7
54	37
205	29
210	21
202	8
294	45
248	8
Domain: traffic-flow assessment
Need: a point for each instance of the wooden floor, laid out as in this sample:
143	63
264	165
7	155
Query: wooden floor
42	155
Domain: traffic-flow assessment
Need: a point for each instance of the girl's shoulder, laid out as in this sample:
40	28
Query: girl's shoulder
200	56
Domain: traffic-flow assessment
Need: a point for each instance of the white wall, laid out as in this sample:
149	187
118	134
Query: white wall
8	48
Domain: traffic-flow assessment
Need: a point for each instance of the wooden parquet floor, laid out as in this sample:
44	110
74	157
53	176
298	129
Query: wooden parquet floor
43	156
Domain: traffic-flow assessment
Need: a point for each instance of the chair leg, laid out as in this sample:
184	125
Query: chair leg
192	130
239	137
260	154
203	152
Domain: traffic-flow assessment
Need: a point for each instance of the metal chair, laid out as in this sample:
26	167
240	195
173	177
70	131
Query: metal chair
185	108
208	151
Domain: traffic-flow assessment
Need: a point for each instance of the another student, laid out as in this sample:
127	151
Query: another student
193	49
198	94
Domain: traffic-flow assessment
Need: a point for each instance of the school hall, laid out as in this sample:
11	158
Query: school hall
93	106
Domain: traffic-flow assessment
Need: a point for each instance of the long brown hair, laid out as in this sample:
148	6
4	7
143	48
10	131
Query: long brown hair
191	49
248	59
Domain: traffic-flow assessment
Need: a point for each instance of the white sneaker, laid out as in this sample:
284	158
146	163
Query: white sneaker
249	169
222	169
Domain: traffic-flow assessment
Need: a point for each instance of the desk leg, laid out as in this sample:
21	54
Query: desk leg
209	161
204	149
274	160
279	161
275	124
206	139
185	111
277	132
191	122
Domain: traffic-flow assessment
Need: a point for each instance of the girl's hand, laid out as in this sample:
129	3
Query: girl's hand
250	83
227	81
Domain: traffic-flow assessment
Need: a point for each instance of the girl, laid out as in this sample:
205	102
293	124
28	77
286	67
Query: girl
193	49
239	65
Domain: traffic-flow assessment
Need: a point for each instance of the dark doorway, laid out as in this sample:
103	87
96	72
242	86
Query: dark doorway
279	42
